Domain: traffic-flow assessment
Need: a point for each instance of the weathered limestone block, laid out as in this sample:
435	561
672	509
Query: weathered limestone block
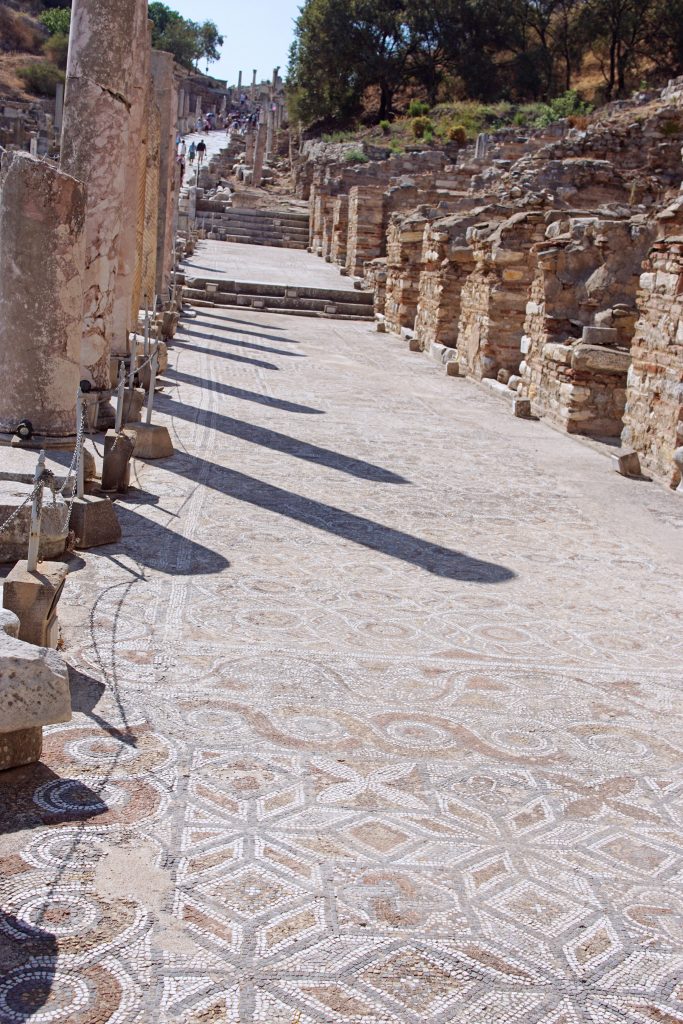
42	214
366	227
375	280
340	230
405	238
14	539
653	419
34	691
580	319
101	71
494	296
447	260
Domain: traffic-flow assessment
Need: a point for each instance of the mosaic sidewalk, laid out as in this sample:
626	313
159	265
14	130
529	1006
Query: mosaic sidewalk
378	715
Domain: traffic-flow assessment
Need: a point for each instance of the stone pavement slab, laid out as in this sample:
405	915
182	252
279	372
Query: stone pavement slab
263	264
377	715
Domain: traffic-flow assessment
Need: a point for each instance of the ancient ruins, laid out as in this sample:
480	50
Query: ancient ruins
338	683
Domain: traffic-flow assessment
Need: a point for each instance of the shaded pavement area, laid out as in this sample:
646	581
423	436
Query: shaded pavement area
377	715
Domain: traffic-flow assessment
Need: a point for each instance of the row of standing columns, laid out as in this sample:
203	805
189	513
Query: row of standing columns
82	243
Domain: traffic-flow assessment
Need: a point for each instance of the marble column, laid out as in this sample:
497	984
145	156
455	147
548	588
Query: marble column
100	78
239	84
250	142
270	120
253	86
259	154
150	230
164	94
42	256
142	180
127	291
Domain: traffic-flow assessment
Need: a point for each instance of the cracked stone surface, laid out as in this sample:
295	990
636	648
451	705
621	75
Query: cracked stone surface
377	714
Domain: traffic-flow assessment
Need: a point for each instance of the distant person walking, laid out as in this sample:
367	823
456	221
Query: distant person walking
201	152
191	153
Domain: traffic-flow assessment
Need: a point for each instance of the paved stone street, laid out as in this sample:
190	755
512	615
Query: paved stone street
378	714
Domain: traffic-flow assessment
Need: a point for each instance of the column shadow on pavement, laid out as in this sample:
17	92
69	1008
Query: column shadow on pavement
236	341
433	558
278	442
233	392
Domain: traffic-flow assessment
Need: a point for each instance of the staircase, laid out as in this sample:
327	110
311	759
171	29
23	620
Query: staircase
251	227
334	303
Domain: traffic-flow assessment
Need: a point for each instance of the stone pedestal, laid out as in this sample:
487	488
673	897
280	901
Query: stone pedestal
14	540
102	68
42	215
118	450
19	748
94	522
151	441
33	597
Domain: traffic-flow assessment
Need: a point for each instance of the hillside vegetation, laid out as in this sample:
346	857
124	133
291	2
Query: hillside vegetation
362	58
34	38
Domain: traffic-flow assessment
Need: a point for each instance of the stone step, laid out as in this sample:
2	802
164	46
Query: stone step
221	224
279	298
277	243
349	295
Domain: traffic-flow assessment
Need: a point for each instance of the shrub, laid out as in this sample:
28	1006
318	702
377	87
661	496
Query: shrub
41	78
56	49
422	125
417	108
385	126
356	156
428	137
57	21
457	133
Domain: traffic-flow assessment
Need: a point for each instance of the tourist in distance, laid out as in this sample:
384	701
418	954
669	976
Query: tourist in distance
201	152
191	153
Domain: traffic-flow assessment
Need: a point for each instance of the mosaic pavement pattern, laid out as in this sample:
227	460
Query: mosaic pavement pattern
378	715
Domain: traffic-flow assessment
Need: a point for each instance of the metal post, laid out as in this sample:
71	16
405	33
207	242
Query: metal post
152	385
119	397
146	348
80	472
133	360
34	536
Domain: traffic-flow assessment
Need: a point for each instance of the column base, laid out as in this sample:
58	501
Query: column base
151	441
33	597
94	522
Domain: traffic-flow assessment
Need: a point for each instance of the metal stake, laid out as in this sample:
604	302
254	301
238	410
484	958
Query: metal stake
80	473
34	536
152	385
119	397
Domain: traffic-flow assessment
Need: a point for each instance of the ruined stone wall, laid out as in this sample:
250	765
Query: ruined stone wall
494	296
653	419
375	280
447	260
580	320
366	227
340	230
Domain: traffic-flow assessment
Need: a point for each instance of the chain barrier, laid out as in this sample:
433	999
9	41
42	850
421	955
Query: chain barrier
75	473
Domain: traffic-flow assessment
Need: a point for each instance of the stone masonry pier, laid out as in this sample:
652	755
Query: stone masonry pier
367	726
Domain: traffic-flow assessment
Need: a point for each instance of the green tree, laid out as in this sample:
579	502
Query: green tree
211	41
185	39
57	20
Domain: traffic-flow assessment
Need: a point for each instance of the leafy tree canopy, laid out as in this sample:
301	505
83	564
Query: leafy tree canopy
188	41
519	50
